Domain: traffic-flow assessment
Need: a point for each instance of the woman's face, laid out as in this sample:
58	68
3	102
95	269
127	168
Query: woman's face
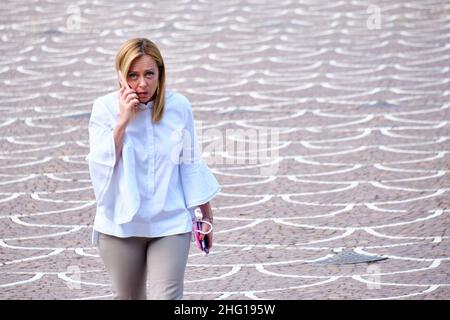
143	77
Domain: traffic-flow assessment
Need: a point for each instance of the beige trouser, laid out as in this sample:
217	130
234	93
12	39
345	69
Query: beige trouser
130	260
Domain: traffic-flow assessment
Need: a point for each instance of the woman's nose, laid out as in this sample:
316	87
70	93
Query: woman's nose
142	82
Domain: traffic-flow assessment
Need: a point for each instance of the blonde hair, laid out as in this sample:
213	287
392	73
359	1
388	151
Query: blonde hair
136	48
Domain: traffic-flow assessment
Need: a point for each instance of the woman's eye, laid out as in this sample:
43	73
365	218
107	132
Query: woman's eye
149	74
133	76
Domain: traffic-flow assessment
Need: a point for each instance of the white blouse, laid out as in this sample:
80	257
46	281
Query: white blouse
160	178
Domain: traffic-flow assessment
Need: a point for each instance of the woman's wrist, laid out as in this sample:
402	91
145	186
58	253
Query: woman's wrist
122	123
208	218
206	212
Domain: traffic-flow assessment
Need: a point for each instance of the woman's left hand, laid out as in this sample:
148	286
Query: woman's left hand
207	216
209	237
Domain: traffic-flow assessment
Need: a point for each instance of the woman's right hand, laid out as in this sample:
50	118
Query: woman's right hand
128	100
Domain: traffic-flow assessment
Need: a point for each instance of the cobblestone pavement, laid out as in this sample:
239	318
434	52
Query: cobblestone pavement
340	187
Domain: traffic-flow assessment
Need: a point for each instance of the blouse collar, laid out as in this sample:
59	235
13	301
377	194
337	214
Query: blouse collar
144	106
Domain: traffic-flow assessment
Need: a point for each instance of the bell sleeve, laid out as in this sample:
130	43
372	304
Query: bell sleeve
115	185
199	184
102	154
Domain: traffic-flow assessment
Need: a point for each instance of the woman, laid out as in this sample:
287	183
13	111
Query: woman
148	178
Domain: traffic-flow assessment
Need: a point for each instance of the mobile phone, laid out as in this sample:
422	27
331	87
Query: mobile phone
201	244
205	244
